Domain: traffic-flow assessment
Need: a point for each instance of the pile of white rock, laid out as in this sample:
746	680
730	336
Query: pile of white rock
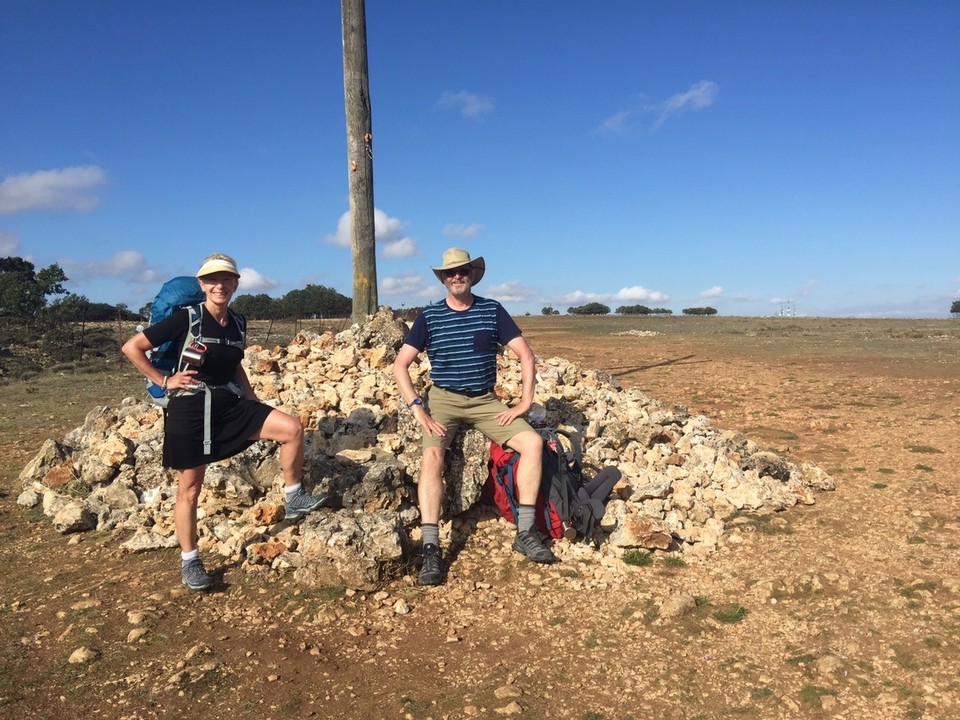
682	482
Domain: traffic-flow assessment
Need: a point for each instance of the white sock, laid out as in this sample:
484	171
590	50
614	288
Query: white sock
186	557
291	490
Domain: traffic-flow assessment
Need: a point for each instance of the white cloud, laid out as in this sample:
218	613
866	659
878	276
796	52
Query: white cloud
778	301
400	248
253	281
421	288
638	292
470	105
68	188
714	292
342	236
508	292
388	234
700	95
387	229
9	244
409	284
615	123
461	231
125	265
579	296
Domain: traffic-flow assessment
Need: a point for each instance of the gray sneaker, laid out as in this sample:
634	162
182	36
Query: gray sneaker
301	503
529	543
193	575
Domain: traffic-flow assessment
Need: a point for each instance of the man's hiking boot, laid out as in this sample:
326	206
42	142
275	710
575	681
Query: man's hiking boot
300	503
529	543
193	575
431	572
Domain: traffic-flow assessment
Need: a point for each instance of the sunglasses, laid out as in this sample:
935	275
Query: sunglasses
463	271
218	279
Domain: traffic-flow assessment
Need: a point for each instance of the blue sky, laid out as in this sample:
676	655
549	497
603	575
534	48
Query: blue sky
735	154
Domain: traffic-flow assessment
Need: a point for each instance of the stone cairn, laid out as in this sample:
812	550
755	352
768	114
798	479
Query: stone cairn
683	481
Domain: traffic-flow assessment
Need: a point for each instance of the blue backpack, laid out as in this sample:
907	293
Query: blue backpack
180	292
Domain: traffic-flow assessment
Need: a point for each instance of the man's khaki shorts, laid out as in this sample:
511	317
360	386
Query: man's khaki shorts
454	411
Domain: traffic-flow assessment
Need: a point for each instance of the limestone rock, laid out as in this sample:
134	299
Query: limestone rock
114	451
676	606
635	530
148	540
116	495
29	498
83	655
356	549
50	455
60	475
74	517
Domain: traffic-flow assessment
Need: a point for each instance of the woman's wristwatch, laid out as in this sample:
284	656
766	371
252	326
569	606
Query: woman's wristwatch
416	401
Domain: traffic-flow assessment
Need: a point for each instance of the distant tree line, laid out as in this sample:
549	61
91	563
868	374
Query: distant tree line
642	310
77	308
308	302
955	308
596	308
589	309
700	311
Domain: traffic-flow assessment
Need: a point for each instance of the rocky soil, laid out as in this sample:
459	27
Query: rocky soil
849	607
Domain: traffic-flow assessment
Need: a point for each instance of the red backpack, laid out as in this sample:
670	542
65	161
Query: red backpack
566	506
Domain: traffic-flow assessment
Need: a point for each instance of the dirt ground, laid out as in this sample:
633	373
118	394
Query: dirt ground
849	608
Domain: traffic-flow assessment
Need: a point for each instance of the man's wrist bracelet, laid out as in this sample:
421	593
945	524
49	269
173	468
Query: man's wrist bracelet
163	385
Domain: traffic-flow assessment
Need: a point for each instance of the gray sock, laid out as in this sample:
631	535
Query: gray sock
525	517
430	534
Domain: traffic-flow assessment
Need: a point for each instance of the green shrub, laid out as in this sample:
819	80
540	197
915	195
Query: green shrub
637	557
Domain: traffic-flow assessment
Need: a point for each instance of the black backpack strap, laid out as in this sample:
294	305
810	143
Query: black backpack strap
195	315
558	483
574	445
241	322
239	319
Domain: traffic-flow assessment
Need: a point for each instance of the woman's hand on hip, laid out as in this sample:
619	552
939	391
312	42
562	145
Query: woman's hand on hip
186	380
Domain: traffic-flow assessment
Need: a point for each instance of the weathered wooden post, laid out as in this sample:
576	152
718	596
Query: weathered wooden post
356	90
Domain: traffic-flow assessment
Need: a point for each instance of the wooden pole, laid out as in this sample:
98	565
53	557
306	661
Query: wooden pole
356	90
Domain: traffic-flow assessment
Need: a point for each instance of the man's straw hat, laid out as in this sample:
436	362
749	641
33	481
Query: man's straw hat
458	257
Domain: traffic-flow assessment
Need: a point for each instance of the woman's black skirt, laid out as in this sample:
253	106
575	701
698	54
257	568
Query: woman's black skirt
232	421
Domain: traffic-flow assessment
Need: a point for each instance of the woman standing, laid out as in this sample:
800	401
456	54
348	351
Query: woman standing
213	412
